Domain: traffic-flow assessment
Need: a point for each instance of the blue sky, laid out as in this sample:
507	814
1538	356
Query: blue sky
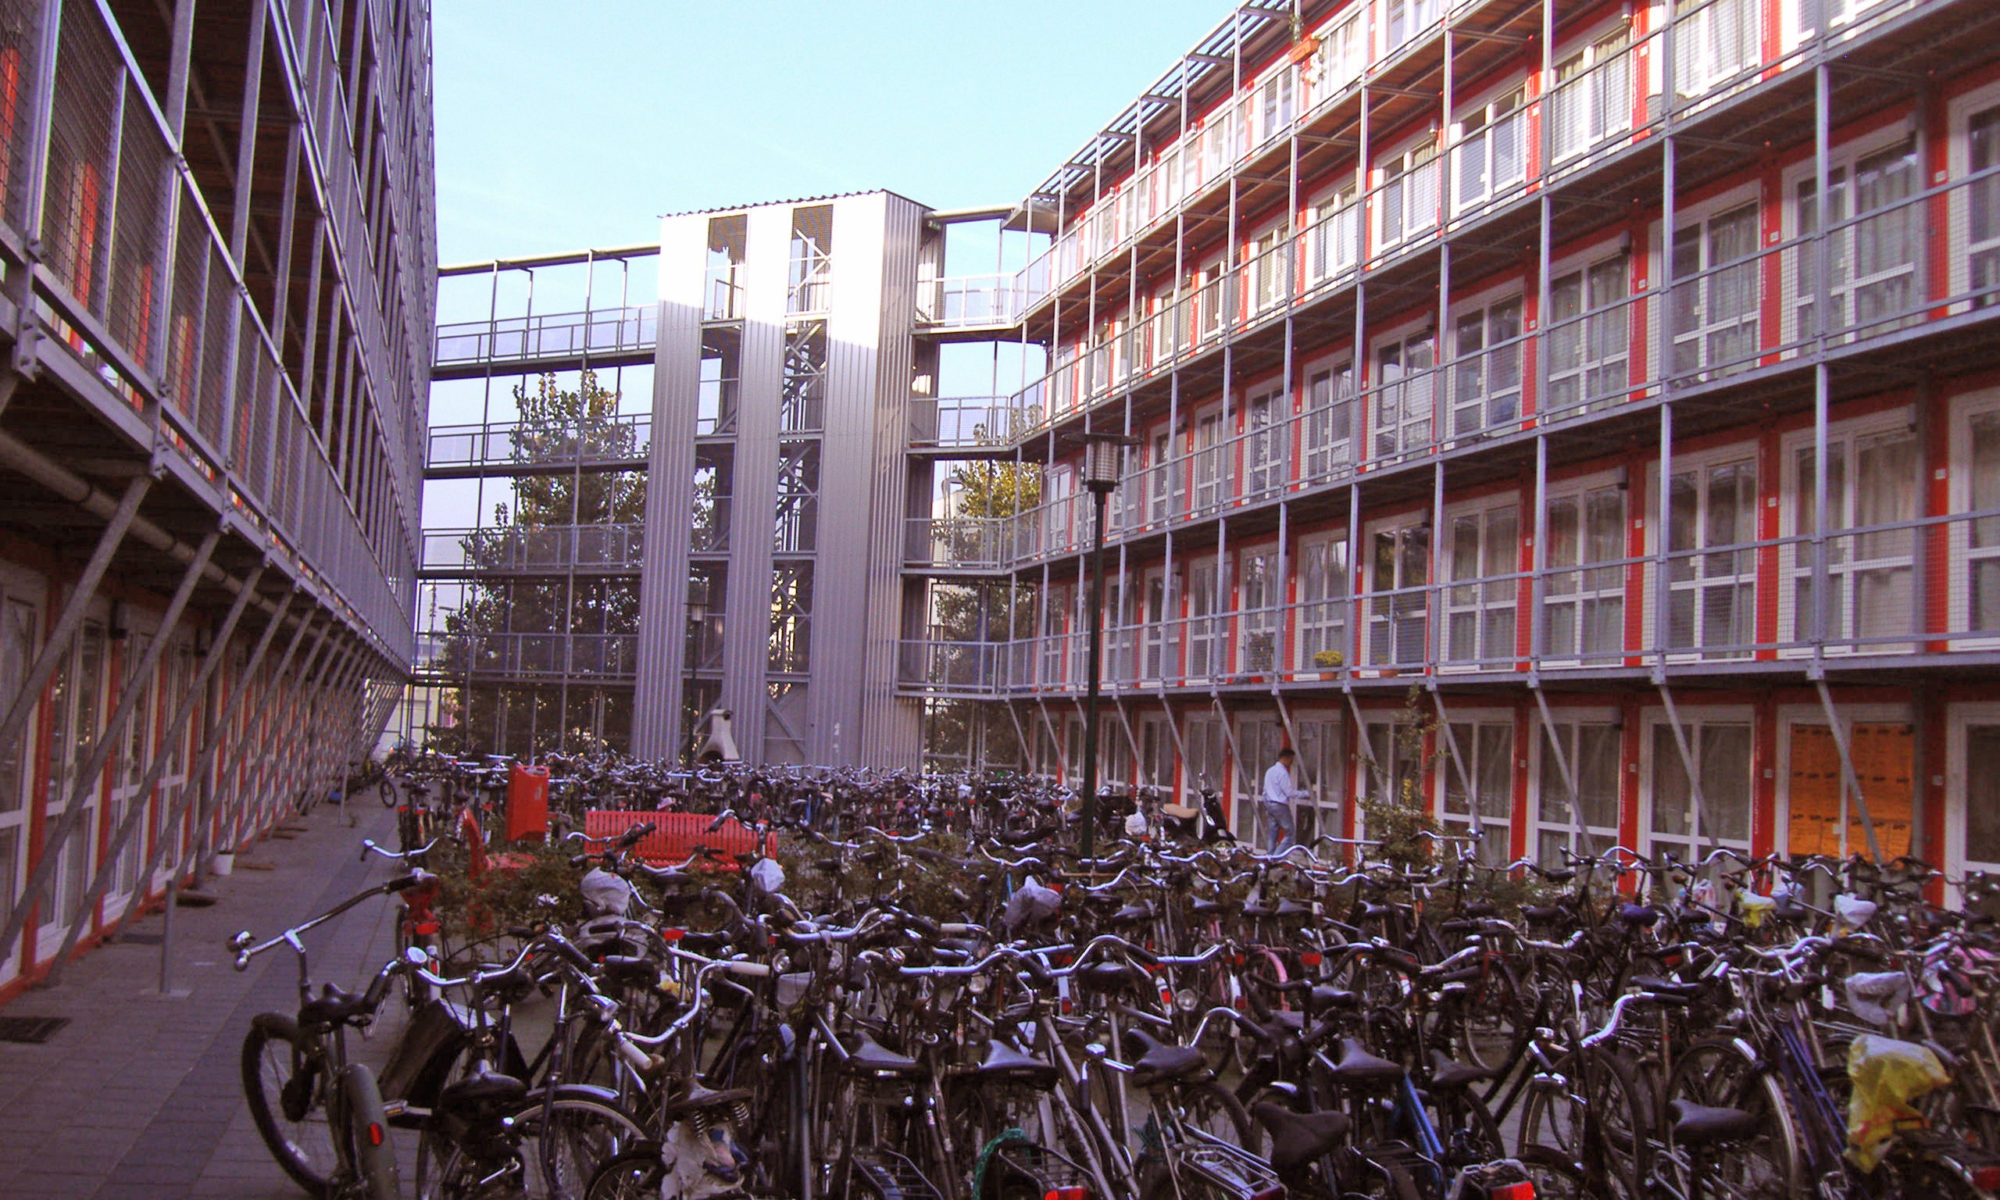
567	124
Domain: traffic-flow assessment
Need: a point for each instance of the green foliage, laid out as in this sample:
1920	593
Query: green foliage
552	519
1399	820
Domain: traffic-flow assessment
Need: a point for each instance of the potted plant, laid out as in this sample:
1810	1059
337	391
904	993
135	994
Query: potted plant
1328	661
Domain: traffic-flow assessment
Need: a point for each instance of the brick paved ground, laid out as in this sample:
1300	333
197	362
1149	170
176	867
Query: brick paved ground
139	1097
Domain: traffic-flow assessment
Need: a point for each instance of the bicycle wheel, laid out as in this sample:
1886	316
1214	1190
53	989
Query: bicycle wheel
1216	1111
1715	1073
1554	1177
387	790
285	1091
1553	1119
634	1176
552	1151
365	1129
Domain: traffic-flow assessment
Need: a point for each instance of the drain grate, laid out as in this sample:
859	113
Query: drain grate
30	1029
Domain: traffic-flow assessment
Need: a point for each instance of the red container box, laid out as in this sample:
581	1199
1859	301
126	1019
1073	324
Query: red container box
527	803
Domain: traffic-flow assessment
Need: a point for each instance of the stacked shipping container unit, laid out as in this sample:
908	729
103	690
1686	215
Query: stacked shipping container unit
217	256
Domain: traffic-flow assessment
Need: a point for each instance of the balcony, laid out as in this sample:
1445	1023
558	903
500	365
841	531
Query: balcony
1729	320
1895	594
549	342
514	447
968	422
448	659
510	550
970	303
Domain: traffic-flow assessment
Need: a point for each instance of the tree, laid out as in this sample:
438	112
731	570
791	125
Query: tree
525	612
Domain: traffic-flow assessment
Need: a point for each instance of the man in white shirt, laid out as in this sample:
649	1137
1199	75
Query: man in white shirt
1279	792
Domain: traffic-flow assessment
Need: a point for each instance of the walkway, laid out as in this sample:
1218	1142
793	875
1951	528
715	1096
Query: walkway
139	1097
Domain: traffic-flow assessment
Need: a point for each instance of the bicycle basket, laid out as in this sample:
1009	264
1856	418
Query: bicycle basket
421	1065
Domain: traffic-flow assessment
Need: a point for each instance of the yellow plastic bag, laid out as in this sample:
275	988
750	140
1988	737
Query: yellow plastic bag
1887	1074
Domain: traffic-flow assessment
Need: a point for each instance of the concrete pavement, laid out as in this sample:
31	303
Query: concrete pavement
139	1097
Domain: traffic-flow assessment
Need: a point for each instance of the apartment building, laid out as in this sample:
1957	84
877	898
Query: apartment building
217	255
1582	415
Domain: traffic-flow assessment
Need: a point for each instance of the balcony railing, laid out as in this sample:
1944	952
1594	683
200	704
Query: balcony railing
596	441
968	422
603	332
132	278
513	550
1887	590
1698	329
1719	48
970	301
530	656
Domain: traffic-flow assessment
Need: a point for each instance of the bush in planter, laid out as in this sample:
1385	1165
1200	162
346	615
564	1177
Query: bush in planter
1328	660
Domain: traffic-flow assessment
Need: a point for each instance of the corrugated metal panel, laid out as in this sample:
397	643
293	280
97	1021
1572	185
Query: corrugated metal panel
656	700
747	631
892	729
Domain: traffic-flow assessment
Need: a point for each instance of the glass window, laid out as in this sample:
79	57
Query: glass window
1488	750
1329	422
1871	249
1871	480
1711	567
1592	752
1721	752
1480	605
1588	340
1322	598
1486	368
1714	300
1584	604
1982	144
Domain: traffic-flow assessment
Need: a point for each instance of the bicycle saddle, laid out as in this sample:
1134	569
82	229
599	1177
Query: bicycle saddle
484	1088
333	1007
1133	914
1209	908
873	1058
1448	1074
1701	1125
699	1098
1159	1062
1298	1138
1005	1062
1357	1065
1638	916
1105	976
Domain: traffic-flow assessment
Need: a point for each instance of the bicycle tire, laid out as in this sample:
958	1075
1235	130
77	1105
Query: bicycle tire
365	1128
272	1056
444	1172
387	790
1716	1073
1621	1104
636	1175
1554	1177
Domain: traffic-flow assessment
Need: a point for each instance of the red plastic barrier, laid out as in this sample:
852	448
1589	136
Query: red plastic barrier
675	836
527	803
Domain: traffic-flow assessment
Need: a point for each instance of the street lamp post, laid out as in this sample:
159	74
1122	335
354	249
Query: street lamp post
1101	453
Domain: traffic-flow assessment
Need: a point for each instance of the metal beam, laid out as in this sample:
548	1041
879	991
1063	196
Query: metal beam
57	647
1849	781
1701	822
90	777
133	821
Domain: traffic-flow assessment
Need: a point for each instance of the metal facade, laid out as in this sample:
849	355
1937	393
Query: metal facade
217	238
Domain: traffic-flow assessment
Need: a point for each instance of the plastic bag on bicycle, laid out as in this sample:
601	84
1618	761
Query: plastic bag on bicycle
1887	1074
